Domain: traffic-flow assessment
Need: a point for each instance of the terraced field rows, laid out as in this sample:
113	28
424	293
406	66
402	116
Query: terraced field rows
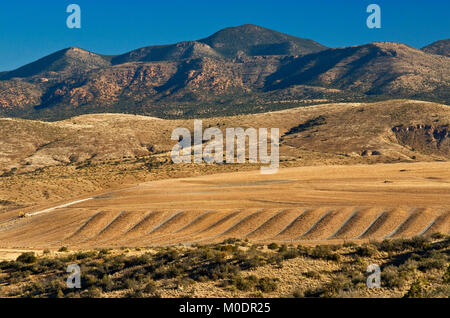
317	205
108	228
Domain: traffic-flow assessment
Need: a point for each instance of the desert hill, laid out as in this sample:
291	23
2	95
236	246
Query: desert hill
441	47
360	132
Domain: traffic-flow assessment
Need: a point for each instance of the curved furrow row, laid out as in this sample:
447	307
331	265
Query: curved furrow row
328	224
92	227
301	224
386	224
166	230
119	226
89	228
357	224
415	223
246	225
201	224
213	231
441	224
274	225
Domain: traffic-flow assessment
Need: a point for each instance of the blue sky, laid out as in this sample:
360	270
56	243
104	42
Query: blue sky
31	29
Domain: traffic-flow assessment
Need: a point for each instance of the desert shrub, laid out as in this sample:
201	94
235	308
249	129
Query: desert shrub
416	290
349	244
391	277
276	259
290	253
144	259
135	293
317	121
167	272
337	285
102	252
47	264
27	258
437	236
357	277
168	256
107	284
298	293
446	277
150	287
399	245
247	262
314	292
312	274
227	248
438	292
432	260
365	251
267	285
231	241
92	292
63	249
85	255
244	283
272	246
130	284
88	280
324	252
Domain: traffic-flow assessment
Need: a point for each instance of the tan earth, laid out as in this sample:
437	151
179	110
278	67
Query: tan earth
322	204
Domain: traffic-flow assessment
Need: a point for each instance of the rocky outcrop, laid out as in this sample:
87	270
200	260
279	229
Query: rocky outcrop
425	138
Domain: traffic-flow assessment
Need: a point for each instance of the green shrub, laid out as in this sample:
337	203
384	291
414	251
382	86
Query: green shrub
27	258
415	291
437	236
436	262
244	283
324	252
272	246
267	285
391	277
298	293
446	277
150	287
365	251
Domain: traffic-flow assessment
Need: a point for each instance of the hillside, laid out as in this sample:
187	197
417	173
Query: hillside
441	47
241	70
389	69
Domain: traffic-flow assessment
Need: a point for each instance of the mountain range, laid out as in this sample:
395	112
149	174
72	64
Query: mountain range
244	69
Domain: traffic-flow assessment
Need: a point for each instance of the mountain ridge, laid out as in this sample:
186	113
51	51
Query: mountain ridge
244	69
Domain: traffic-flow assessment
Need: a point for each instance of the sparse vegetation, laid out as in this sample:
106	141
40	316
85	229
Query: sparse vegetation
411	269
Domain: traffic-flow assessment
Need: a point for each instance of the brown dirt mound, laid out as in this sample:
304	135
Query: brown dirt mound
385	224
247	224
170	226
301	224
124	222
357	224
93	226
329	224
441	224
416	223
274	225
